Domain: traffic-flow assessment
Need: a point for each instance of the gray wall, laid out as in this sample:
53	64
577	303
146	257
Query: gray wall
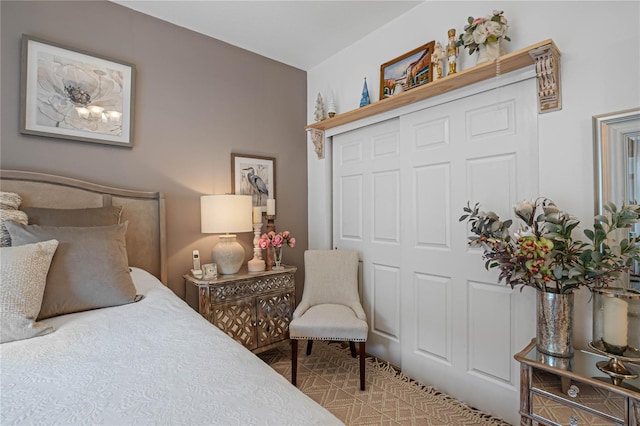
197	100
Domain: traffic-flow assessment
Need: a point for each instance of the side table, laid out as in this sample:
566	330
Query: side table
572	391
254	308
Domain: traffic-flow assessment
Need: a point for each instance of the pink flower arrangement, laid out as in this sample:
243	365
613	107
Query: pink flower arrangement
484	30
276	240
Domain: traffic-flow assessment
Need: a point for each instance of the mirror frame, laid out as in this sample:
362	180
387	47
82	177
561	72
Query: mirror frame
610	133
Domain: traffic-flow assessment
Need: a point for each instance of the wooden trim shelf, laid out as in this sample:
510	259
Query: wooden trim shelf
544	55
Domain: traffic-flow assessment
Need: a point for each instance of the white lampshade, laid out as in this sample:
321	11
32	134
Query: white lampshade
223	214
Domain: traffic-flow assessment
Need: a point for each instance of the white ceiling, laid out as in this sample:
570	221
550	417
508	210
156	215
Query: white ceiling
298	33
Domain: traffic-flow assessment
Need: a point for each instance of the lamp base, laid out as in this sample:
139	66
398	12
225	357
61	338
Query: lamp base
228	254
256	265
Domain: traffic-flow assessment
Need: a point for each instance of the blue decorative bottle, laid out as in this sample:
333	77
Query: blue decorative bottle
365	95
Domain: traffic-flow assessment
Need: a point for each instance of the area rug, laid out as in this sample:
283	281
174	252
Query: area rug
330	376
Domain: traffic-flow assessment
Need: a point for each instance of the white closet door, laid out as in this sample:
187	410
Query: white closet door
460	328
398	190
366	217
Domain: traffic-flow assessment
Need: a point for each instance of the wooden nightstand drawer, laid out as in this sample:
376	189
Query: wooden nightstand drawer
554	412
250	287
590	397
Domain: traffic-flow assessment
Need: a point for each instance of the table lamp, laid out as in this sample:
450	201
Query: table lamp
222	214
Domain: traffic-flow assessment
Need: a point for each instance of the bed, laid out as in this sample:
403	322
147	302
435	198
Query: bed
152	360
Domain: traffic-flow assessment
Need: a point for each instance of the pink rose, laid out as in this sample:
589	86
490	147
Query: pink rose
271	234
292	242
277	240
286	235
263	243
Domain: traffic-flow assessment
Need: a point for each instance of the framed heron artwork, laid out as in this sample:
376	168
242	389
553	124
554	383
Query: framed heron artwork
255	176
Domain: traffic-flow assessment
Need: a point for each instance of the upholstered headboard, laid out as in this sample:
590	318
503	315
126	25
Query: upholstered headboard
146	241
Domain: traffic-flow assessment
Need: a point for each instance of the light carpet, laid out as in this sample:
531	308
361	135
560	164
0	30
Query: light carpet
331	377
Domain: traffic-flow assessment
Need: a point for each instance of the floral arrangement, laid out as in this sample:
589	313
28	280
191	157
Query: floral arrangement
276	240
484	30
543	253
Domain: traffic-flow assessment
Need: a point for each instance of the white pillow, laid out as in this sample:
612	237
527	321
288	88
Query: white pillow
23	278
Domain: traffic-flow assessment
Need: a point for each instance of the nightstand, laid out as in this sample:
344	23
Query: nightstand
254	308
572	391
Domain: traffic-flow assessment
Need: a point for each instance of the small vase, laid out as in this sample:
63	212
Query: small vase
277	252
489	52
554	324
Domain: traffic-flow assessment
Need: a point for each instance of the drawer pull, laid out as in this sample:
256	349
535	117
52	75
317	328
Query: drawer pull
573	421
573	391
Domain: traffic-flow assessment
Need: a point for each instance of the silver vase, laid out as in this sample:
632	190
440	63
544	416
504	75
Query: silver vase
554	324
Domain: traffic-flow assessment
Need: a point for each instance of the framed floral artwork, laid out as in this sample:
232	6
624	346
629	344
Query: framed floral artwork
406	72
255	176
75	95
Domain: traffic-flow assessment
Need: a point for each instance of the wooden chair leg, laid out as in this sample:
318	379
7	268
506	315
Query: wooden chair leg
352	346
362	356
294	361
309	345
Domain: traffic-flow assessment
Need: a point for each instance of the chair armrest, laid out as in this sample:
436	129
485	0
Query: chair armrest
301	309
357	308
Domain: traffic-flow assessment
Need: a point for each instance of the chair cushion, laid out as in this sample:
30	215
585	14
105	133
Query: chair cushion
329	322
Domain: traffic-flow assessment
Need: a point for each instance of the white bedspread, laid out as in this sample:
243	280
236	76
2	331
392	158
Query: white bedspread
152	362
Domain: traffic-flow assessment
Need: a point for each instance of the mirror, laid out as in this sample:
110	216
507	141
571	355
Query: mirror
617	164
617	140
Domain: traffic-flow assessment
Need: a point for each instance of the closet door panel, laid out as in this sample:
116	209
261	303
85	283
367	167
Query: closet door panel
386	207
459	326
385	319
492	181
399	187
349	218
432	206
489	351
372	210
432	306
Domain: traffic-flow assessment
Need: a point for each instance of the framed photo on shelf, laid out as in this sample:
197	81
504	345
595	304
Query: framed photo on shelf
75	95
406	72
255	176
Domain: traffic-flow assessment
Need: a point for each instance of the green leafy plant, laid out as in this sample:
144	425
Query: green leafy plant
543	253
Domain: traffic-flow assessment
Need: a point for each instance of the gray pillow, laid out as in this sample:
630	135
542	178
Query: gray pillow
24	276
95	216
89	270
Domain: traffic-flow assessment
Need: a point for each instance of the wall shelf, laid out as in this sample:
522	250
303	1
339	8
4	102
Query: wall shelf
544	55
